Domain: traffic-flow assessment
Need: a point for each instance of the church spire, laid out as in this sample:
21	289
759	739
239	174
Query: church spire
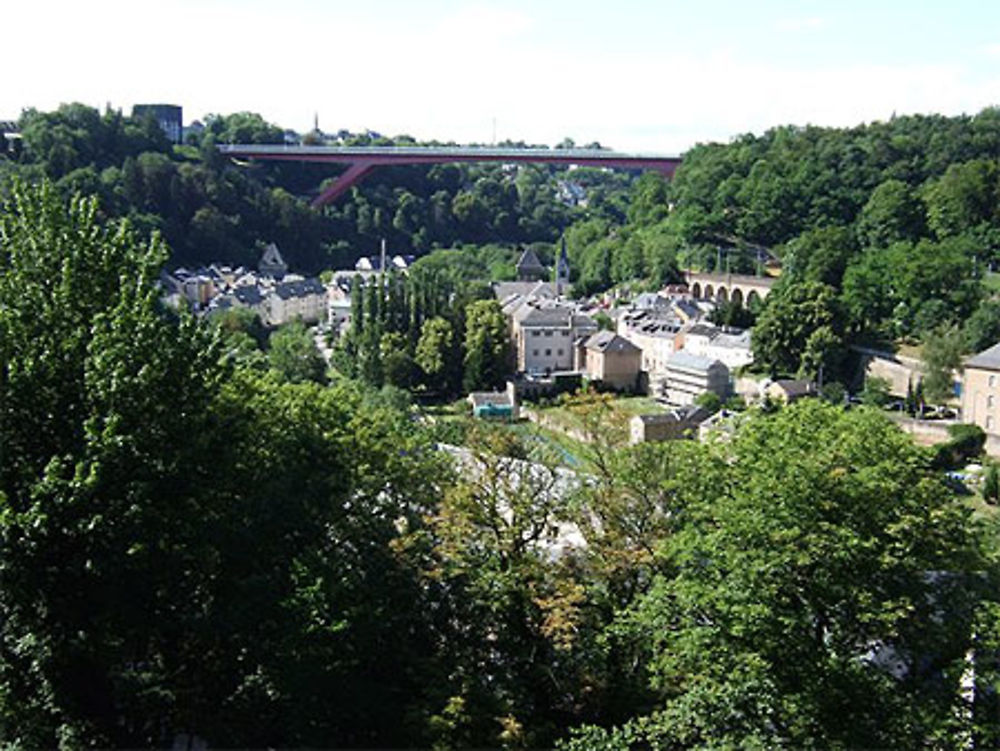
562	268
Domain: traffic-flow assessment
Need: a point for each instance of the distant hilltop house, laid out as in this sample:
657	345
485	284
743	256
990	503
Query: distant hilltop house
170	118
374	263
10	134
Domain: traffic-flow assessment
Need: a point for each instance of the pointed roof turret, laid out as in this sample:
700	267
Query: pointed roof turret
529	268
272	263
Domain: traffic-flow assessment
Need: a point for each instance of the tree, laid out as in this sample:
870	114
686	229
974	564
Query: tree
982	329
709	400
397	363
875	392
942	356
515	629
892	213
109	456
822	355
487	350
292	354
799	328
820	255
963	198
991	484
798	577
437	355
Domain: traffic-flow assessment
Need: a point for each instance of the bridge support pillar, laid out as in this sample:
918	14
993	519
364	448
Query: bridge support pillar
343	183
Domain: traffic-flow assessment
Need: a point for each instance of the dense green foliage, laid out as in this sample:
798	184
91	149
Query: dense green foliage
210	209
898	218
819	590
198	539
187	548
422	332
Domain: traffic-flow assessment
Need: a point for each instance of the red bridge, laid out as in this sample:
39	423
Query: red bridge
361	160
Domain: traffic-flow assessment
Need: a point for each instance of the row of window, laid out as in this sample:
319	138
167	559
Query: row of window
547	332
548	353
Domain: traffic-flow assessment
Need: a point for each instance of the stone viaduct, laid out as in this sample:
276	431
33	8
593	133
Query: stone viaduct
739	288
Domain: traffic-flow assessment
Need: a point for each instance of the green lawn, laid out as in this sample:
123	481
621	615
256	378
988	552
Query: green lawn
622	410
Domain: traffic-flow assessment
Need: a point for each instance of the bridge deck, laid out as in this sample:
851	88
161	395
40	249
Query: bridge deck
362	159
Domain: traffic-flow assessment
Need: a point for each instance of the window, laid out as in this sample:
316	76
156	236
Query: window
534	352
548	332
989	402
993	381
989	422
559	352
535	333
548	353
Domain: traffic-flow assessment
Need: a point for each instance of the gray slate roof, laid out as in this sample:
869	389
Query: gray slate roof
796	388
496	398
702	329
609	341
299	288
529	262
686	361
504	290
690	413
733	341
248	295
988	359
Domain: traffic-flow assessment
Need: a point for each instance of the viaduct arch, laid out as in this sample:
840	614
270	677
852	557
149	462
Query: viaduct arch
738	288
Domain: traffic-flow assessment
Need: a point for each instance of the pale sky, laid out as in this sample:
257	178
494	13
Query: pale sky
651	75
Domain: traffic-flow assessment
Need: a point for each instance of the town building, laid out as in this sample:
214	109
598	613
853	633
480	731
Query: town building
303	299
495	405
196	287
544	334
786	391
728	345
682	422
981	390
657	334
374	263
687	376
611	360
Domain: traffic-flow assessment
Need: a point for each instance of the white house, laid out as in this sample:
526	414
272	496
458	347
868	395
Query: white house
544	335
728	345
688	376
